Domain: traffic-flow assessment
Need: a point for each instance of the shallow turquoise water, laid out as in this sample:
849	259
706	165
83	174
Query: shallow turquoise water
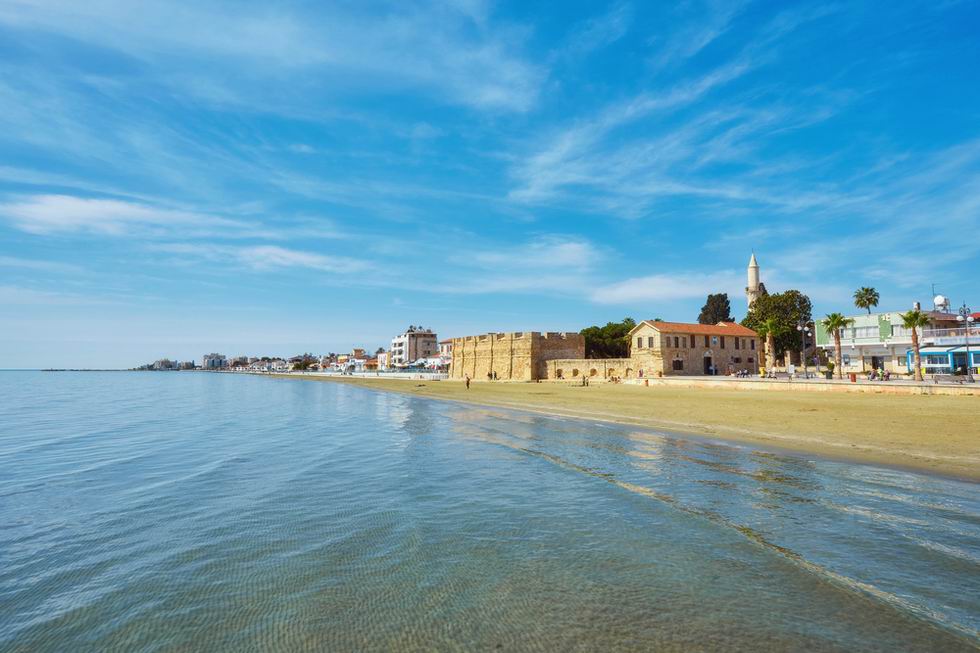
191	511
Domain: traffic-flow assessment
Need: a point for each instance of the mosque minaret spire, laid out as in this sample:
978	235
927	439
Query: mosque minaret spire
755	288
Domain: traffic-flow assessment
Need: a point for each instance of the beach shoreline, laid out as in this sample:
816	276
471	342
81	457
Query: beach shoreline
932	434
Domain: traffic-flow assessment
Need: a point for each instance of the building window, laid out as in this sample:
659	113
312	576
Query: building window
650	342
723	342
677	341
706	341
678	365
639	342
750	360
693	344
737	359
737	341
752	343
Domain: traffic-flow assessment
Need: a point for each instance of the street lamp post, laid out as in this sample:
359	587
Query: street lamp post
804	330
966	318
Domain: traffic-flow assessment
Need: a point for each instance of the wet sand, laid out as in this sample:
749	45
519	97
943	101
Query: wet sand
936	434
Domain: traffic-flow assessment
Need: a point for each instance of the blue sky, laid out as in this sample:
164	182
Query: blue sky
177	178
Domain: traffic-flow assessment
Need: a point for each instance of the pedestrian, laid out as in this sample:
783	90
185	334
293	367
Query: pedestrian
467	381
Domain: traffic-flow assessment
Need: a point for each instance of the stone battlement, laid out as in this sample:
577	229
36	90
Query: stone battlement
514	356
518	335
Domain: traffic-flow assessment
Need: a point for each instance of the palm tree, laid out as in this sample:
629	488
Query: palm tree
866	298
915	320
769	329
834	323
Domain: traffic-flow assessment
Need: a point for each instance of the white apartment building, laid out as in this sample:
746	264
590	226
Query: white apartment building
213	362
412	345
879	341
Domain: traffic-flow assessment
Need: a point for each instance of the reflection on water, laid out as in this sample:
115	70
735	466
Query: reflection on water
211	512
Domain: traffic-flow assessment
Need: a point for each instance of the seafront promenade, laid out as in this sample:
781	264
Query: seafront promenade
935	434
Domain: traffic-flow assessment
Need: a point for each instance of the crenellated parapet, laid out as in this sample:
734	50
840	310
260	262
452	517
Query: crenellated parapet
513	356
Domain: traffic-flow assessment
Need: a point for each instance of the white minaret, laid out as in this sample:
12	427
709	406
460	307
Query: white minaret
753	290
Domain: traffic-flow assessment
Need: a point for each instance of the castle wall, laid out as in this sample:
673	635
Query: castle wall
596	369
519	356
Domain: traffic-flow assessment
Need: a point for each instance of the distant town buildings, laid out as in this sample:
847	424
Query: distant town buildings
213	362
415	343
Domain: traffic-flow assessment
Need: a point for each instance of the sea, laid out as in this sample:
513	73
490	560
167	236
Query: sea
191	511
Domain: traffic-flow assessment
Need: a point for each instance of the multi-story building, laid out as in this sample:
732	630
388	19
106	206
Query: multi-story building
384	361
879	341
213	362
412	345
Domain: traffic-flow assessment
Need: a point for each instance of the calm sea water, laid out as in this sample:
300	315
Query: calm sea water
201	512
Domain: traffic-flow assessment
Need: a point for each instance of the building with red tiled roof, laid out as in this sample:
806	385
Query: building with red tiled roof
671	349
720	329
678	348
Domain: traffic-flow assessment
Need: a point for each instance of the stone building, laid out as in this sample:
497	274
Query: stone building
676	348
520	356
670	349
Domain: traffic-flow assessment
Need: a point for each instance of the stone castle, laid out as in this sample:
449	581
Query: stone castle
520	356
656	349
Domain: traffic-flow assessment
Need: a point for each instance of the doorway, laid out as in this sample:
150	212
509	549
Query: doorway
707	365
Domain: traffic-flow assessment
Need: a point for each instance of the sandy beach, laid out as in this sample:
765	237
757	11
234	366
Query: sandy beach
936	434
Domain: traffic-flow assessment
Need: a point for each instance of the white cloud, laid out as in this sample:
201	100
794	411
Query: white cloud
544	252
50	214
40	265
268	257
451	50
662	287
709	22
600	31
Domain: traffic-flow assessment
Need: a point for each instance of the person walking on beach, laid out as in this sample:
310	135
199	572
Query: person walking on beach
467	381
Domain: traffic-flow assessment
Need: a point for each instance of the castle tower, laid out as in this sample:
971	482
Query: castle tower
755	287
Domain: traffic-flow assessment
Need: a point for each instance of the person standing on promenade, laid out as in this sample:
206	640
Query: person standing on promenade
467	381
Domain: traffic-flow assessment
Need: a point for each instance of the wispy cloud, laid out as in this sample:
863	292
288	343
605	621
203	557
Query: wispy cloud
267	257
599	31
51	214
39	265
666	287
702	24
446	48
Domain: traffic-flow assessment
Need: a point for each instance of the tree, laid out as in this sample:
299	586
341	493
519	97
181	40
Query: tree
866	298
610	341
834	322
770	329
789	309
716	309
915	320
